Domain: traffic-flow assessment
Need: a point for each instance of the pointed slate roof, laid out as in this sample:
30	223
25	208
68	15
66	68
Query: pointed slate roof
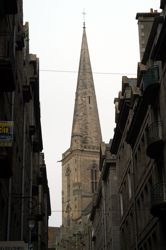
86	125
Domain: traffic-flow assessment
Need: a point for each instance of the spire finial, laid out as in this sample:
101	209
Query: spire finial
84	13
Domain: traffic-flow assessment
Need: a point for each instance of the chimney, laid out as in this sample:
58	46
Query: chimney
151	10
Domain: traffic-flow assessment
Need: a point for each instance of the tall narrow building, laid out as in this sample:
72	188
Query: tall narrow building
80	162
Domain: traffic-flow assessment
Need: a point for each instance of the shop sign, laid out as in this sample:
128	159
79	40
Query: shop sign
6	134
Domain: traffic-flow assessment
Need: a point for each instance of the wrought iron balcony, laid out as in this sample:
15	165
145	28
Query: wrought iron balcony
158	200
155	140
150	83
8	7
7	62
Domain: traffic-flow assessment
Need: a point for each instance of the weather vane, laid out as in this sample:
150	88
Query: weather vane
84	13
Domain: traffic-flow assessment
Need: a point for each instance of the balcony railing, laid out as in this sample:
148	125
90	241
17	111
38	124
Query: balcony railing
155	140
151	83
158	199
7	62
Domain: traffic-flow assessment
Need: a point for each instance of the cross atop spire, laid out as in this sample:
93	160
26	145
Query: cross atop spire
84	13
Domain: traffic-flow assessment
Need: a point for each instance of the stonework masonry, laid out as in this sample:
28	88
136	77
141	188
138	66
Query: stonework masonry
139	144
80	163
127	210
24	191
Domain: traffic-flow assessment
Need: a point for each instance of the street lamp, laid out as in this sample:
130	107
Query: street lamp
31	225
31	222
27	205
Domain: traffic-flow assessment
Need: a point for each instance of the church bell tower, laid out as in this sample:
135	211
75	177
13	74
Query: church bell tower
80	163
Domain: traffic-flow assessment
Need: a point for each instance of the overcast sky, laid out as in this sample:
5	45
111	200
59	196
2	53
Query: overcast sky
55	36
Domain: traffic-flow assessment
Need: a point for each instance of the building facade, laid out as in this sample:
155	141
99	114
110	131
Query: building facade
80	163
104	215
139	144
24	192
128	209
53	238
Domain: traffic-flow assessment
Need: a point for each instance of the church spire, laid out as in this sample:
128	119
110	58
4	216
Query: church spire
86	132
82	158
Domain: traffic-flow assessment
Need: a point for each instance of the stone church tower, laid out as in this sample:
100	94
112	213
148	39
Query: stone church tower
80	163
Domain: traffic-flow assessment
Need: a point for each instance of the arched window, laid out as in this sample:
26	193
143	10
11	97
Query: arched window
68	171
68	210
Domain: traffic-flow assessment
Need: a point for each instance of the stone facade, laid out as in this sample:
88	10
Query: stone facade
105	211
80	163
128	209
139	145
24	193
53	238
145	22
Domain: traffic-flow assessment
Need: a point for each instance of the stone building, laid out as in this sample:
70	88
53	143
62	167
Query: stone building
53	238
105	210
122	150
139	145
80	163
145	22
23	180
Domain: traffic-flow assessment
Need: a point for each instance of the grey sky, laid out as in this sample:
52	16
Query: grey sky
55	36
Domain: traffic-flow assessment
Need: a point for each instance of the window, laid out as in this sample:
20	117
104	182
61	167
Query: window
68	172
68	209
89	99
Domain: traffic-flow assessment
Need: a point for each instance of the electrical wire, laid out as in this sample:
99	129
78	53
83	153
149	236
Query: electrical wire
75	210
75	72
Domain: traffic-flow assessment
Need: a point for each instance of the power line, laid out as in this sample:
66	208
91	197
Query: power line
75	210
75	72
